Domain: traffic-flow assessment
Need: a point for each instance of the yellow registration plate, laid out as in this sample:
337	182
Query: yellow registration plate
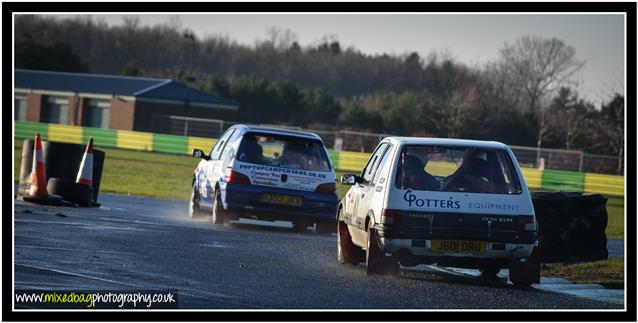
458	246
281	199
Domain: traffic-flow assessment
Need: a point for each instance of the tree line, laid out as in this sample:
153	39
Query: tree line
525	97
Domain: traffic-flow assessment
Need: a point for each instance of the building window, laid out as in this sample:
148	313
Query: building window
20	106
97	113
56	110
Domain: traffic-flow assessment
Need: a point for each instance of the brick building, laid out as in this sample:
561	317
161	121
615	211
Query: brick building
110	101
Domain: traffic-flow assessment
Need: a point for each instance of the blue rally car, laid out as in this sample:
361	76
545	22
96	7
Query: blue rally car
267	174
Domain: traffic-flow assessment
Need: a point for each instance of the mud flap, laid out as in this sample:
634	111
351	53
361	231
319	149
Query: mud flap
525	273
376	261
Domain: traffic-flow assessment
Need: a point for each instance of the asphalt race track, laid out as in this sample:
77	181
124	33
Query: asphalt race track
151	244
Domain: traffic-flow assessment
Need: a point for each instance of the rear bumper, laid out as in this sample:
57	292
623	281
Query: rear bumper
244	201
415	246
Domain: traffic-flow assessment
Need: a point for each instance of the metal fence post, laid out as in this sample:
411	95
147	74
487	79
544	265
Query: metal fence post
580	166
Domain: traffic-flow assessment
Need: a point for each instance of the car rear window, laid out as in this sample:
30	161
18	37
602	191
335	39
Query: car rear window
283	151
456	169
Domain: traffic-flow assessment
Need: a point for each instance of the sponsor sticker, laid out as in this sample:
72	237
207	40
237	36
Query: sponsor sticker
413	200
437	203
293	179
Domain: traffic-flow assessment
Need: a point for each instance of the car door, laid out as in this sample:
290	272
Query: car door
360	193
375	189
212	170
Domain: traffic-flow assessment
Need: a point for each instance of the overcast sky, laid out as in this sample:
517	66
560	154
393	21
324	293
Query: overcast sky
471	38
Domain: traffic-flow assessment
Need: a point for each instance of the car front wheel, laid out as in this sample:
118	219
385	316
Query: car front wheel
193	208
220	215
347	252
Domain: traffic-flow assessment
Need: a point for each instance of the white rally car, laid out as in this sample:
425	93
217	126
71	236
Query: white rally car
450	202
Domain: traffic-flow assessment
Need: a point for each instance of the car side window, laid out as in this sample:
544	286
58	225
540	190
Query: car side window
384	160
228	150
217	149
372	163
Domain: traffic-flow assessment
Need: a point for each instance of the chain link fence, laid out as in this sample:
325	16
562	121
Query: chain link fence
347	140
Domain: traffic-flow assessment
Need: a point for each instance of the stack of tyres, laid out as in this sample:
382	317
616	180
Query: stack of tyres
572	226
62	161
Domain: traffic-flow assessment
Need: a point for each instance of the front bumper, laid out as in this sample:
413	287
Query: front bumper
244	201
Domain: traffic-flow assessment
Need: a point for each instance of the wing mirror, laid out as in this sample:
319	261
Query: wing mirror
198	153
350	179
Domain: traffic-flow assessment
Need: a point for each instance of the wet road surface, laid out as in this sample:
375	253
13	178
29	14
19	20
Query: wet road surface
134	243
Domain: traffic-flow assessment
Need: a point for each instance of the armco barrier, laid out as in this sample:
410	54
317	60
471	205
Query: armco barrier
169	144
604	184
64	133
533	177
347	161
557	180
113	138
352	161
106	137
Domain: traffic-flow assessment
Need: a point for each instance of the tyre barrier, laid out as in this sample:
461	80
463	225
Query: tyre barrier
572	226
62	162
70	190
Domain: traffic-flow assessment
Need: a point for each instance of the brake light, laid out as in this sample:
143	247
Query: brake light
327	188
525	223
393	217
234	177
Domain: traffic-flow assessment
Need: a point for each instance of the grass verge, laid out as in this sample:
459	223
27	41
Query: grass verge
609	273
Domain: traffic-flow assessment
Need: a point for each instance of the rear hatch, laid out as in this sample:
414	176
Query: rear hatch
459	193
285	162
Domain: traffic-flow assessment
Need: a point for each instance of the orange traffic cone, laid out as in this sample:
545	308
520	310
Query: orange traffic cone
85	175
38	192
38	176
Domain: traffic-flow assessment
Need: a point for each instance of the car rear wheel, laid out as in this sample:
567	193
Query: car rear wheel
376	262
325	228
299	226
220	215
347	252
193	207
528	272
489	271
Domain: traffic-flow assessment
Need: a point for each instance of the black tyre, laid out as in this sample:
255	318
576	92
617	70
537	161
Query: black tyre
220	216
524	273
325	228
70	190
347	252
299	226
193	206
489	271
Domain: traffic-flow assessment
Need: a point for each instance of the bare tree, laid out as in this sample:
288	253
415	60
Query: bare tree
537	68
610	130
279	39
570	114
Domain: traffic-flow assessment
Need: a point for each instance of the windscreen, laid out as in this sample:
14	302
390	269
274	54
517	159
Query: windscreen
283	151
456	169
